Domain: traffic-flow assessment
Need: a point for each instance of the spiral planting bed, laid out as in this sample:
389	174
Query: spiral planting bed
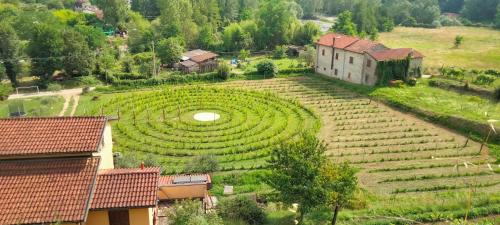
249	125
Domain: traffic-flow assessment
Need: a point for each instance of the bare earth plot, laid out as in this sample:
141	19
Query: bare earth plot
397	153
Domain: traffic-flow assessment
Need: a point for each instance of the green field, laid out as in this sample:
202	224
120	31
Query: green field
401	159
41	106
480	48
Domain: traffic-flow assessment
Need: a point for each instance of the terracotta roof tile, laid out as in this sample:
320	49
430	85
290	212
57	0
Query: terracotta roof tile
57	135
341	41
362	46
46	190
395	54
126	188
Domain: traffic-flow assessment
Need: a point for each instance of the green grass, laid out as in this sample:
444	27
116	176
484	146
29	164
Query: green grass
41	106
480	48
441	101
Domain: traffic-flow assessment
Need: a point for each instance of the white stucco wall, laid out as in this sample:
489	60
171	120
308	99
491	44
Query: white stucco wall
106	151
324	62
355	69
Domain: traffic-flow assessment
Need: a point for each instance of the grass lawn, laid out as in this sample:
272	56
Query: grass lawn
480	48
41	106
442	101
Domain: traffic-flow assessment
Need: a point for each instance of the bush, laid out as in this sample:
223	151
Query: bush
483	79
202	164
412	81
224	71
267	68
279	52
242	208
87	80
54	87
5	90
190	212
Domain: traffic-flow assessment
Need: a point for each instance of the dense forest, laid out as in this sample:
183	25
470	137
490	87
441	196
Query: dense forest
42	36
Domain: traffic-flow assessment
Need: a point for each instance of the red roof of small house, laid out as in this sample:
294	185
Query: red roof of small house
52	135
126	188
341	41
46	190
395	54
185	179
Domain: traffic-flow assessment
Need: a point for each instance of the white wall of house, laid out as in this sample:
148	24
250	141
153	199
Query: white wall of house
324	60
370	66
353	70
106	151
338	64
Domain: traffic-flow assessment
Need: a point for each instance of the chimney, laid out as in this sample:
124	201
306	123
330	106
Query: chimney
142	165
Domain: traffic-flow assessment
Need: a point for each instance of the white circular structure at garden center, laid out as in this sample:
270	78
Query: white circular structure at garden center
206	116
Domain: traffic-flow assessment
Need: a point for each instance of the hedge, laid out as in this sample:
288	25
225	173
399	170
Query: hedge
462	87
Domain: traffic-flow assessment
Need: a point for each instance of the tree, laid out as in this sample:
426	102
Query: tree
480	10
425	11
190	212
307	33
308	56
275	21
9	52
46	51
235	38
147	8
397	10
267	68
453	6
242	208
458	41
170	51
295	171
224	70
279	52
497	18
339	183
310	7
95	37
208	38
365	16
115	11
78	59
244	54
344	24
202	164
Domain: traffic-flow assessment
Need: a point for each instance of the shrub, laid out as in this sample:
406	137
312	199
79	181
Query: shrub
190	212
279	52
54	87
87	80
483	79
5	90
224	71
412	81
242	208
202	164
267	68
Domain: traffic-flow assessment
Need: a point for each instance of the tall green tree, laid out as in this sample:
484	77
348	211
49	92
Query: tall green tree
9	52
295	171
397	10
425	11
235	38
365	16
480	10
307	33
77	58
170	51
147	8
344	24
453	6
115	11
339	183
46	50
311	7
275	22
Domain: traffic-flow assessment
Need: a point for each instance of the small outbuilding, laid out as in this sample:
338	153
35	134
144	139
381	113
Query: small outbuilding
198	61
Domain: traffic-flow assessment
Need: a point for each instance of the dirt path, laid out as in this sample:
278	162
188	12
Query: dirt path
76	98
67	100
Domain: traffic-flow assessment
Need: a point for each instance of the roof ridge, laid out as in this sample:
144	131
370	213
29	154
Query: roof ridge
55	117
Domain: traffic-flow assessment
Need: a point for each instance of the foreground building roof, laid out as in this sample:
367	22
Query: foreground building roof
46	190
126	188
27	137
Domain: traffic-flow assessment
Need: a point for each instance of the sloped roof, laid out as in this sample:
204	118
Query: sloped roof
46	190
395	54
341	41
169	180
51	135
362	46
126	188
199	55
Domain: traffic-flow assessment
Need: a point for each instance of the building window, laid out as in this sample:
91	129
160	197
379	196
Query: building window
351	60
336	72
324	68
323	52
349	76
369	63
337	56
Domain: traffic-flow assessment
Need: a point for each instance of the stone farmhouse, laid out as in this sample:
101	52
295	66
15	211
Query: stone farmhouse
355	60
60	170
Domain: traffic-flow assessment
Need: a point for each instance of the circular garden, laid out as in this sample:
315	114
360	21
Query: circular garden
163	124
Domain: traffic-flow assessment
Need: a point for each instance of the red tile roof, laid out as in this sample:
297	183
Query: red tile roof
57	135
46	190
362	46
169	180
395	54
341	41
126	188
